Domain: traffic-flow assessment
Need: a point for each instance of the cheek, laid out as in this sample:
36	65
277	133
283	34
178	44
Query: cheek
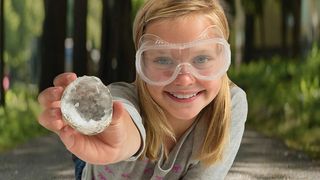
213	88
155	91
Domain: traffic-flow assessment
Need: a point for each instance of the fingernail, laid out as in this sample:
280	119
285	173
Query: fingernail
70	77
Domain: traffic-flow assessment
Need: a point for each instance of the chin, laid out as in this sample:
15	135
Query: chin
186	117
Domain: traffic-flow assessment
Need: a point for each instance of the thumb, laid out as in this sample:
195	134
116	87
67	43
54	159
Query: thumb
67	136
118	110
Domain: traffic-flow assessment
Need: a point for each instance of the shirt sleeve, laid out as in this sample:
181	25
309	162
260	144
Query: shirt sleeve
238	117
127	94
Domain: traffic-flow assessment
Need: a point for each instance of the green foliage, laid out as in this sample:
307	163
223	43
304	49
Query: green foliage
135	7
18	120
253	6
284	98
94	20
23	22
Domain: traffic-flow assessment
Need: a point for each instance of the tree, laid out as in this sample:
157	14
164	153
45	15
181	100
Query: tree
80	59
117	50
53	37
252	8
294	8
244	14
23	21
126	52
2	96
22	26
296	27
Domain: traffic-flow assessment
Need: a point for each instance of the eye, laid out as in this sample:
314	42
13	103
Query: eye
163	61
202	59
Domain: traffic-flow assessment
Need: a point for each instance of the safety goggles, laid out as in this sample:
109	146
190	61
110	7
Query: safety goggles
159	62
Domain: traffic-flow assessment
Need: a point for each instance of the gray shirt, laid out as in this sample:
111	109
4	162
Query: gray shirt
180	164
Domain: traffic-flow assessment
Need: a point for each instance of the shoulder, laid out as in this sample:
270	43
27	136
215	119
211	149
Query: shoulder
239	105
127	94
122	88
238	95
124	92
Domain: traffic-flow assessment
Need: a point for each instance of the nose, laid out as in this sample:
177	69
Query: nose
185	77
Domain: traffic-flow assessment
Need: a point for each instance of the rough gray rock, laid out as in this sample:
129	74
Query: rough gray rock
86	105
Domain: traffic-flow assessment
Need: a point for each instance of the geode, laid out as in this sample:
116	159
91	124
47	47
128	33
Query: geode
86	105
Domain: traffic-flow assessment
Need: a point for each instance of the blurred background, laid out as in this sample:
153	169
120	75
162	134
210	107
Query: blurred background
275	59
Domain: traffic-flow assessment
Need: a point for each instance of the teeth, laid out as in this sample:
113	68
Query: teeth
183	96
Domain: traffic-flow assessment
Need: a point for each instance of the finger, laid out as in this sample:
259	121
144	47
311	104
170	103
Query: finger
118	110
88	148
51	119
64	79
67	136
119	115
49	96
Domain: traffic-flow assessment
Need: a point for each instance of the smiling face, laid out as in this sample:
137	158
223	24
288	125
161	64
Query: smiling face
186	96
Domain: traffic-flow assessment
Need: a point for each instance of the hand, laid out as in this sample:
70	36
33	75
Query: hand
117	142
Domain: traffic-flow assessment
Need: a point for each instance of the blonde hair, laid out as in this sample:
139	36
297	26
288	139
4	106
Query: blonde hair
217	113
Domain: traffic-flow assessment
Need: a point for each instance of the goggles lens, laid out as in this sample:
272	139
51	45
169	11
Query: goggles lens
159	62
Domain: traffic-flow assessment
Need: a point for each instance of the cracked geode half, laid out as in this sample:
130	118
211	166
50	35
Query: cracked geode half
86	105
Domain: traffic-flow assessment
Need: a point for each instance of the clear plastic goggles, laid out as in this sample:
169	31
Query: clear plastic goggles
159	62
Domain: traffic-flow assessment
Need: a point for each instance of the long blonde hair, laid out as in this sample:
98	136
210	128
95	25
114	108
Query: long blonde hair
217	113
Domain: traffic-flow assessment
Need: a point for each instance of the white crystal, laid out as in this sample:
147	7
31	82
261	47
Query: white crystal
86	105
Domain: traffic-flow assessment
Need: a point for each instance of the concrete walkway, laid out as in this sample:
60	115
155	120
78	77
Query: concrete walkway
259	158
43	158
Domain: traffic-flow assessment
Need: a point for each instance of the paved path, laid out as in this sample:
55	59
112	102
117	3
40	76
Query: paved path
43	158
259	157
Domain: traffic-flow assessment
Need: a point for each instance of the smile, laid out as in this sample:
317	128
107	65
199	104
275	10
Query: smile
184	96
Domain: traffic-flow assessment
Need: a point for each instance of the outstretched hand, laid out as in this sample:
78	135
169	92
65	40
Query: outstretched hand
117	142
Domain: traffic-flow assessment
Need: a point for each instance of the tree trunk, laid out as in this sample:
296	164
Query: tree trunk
109	42
117	50
80	59
53	37
249	37
2	93
296	27
262	32
126	51
284	28
239	24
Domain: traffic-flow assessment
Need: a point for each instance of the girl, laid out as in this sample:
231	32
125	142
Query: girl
182	118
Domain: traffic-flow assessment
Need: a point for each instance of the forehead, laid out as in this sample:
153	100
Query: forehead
179	30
